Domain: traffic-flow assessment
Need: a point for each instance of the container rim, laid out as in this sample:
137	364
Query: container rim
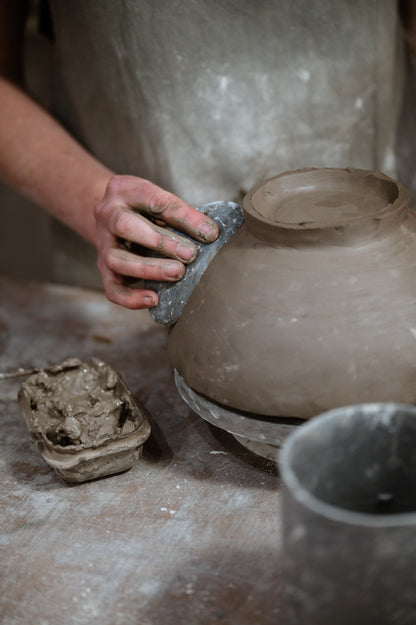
303	496
390	208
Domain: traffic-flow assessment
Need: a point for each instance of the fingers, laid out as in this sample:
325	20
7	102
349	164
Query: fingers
126	224
117	291
119	263
125	263
151	200
116	218
135	299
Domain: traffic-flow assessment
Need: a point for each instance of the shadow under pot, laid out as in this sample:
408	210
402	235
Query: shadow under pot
311	304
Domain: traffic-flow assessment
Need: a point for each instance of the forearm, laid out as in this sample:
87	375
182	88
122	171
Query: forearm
42	161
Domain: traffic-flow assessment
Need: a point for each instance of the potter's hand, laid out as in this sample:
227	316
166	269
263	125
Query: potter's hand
135	210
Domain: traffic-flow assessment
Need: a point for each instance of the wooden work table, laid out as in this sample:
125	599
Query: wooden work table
189	535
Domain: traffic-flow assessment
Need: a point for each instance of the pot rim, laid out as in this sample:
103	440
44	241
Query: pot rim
321	508
391	208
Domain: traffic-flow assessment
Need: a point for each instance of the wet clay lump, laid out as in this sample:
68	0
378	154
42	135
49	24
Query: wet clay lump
76	404
84	419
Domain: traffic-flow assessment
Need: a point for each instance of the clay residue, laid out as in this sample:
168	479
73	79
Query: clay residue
79	404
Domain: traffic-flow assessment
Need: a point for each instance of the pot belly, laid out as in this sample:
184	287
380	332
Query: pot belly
293	344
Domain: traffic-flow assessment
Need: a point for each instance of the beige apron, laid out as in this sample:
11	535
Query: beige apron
207	97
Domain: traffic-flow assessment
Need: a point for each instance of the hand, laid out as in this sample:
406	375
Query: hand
121	215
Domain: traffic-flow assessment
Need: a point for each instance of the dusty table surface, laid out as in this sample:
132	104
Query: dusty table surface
189	535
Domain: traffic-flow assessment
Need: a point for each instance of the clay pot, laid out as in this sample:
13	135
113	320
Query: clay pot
349	517
311	304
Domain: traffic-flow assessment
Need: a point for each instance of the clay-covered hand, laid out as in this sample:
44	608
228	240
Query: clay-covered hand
134	211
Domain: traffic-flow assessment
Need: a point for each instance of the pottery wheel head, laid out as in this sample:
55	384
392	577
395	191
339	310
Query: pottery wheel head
256	430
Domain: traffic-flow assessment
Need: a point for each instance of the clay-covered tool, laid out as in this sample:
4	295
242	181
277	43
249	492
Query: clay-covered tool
84	419
174	295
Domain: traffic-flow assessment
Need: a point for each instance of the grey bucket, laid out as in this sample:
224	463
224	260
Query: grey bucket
349	517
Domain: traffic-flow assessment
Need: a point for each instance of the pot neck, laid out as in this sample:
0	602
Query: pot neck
361	231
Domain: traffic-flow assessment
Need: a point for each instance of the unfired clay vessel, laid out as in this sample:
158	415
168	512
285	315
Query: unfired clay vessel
348	511
312	303
84	419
